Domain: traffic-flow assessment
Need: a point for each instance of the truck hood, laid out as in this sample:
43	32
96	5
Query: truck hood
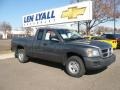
91	43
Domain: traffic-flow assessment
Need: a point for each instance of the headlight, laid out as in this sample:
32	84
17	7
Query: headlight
112	50
93	52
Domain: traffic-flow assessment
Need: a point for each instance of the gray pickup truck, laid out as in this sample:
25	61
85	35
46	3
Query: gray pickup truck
66	47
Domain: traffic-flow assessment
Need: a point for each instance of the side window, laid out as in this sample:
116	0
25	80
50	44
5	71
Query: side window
40	34
51	36
47	36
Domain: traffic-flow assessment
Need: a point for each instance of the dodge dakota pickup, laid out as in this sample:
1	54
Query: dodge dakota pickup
64	46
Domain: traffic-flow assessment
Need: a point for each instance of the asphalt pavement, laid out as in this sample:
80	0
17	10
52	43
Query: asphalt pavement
40	75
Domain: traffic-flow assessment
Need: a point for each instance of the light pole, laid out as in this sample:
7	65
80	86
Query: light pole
114	17
78	21
78	26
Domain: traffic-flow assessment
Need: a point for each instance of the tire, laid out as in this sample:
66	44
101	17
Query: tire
22	56
75	66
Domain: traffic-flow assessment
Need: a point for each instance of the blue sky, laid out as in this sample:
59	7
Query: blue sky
12	10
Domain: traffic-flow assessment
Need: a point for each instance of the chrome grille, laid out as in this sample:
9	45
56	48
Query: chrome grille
106	52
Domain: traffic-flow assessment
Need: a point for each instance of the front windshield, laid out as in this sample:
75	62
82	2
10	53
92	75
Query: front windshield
69	35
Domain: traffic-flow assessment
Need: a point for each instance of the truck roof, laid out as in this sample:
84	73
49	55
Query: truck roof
53	28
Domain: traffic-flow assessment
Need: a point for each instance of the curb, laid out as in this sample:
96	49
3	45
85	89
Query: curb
6	56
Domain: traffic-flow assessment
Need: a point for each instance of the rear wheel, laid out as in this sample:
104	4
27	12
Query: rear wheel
22	56
75	66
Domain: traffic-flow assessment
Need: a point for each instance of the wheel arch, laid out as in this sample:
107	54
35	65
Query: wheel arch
69	54
16	50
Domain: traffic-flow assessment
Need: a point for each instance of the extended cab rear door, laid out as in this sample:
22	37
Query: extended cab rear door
37	44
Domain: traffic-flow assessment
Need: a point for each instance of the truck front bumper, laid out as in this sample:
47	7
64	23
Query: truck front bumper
93	63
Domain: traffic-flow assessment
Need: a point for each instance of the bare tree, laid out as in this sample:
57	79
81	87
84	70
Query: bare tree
103	11
28	31
102	29
6	29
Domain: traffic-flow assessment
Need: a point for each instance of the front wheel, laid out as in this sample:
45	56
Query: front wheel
22	56
75	66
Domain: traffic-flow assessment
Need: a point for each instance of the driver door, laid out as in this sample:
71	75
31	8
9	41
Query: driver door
52	47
